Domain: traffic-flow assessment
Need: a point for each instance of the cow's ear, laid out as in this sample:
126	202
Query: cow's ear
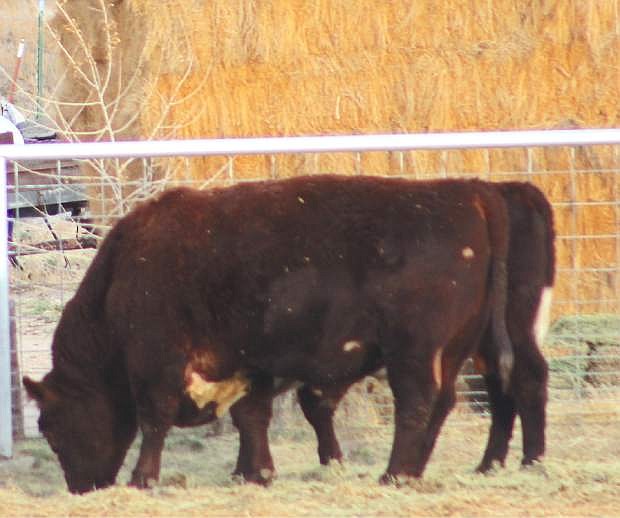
38	391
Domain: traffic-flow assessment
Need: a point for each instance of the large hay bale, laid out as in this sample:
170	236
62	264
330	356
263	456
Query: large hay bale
213	68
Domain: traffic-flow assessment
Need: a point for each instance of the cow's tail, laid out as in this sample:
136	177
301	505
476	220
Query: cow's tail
546	212
498	226
540	234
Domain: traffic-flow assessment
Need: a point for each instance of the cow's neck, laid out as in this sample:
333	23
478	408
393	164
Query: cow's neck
79	354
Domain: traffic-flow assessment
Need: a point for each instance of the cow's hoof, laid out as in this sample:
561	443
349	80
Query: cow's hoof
389	479
484	467
487	467
103	485
264	477
142	481
331	460
237	478
402	480
530	461
534	466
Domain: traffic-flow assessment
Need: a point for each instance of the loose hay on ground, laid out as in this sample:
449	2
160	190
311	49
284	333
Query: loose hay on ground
581	476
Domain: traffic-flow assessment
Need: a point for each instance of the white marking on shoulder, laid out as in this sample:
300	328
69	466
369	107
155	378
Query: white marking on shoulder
223	393
467	252
543	315
351	345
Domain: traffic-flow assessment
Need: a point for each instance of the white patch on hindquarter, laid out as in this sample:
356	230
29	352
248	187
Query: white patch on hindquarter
351	345
437	372
467	252
543	314
223	393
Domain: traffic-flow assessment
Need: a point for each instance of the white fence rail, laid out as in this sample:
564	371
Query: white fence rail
327	144
247	146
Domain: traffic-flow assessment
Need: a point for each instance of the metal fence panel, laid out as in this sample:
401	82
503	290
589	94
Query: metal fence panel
51	249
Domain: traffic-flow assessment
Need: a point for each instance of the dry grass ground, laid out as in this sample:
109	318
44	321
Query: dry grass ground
579	477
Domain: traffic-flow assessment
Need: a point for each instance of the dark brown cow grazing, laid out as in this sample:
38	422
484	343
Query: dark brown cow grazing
199	301
531	271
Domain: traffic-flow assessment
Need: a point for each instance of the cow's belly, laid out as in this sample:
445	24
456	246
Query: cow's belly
205	400
319	363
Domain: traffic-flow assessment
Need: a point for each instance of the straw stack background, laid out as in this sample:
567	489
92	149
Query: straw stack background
308	67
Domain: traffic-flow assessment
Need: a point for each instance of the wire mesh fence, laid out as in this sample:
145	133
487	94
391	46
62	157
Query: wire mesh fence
58	211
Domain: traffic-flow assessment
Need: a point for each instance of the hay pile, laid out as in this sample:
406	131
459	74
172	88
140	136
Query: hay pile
297	67
580	476
282	67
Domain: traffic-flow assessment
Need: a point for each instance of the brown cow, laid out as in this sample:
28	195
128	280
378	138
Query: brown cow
531	272
198	301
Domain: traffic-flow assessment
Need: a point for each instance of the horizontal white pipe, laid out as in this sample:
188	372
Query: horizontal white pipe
322	144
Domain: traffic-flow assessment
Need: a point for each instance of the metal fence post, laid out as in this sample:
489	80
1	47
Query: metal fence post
6	422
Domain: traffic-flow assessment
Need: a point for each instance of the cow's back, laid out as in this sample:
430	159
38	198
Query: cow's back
279	275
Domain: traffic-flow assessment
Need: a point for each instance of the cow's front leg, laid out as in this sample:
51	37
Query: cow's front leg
157	406
251	416
318	406
146	472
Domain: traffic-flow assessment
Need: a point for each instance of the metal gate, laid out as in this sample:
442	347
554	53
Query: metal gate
51	245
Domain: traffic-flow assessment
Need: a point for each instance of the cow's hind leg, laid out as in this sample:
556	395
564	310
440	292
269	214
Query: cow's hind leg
318	406
530	389
444	403
503	412
415	395
251	416
444	379
527	396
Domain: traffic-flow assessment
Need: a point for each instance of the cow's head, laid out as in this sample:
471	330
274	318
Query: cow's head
88	432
